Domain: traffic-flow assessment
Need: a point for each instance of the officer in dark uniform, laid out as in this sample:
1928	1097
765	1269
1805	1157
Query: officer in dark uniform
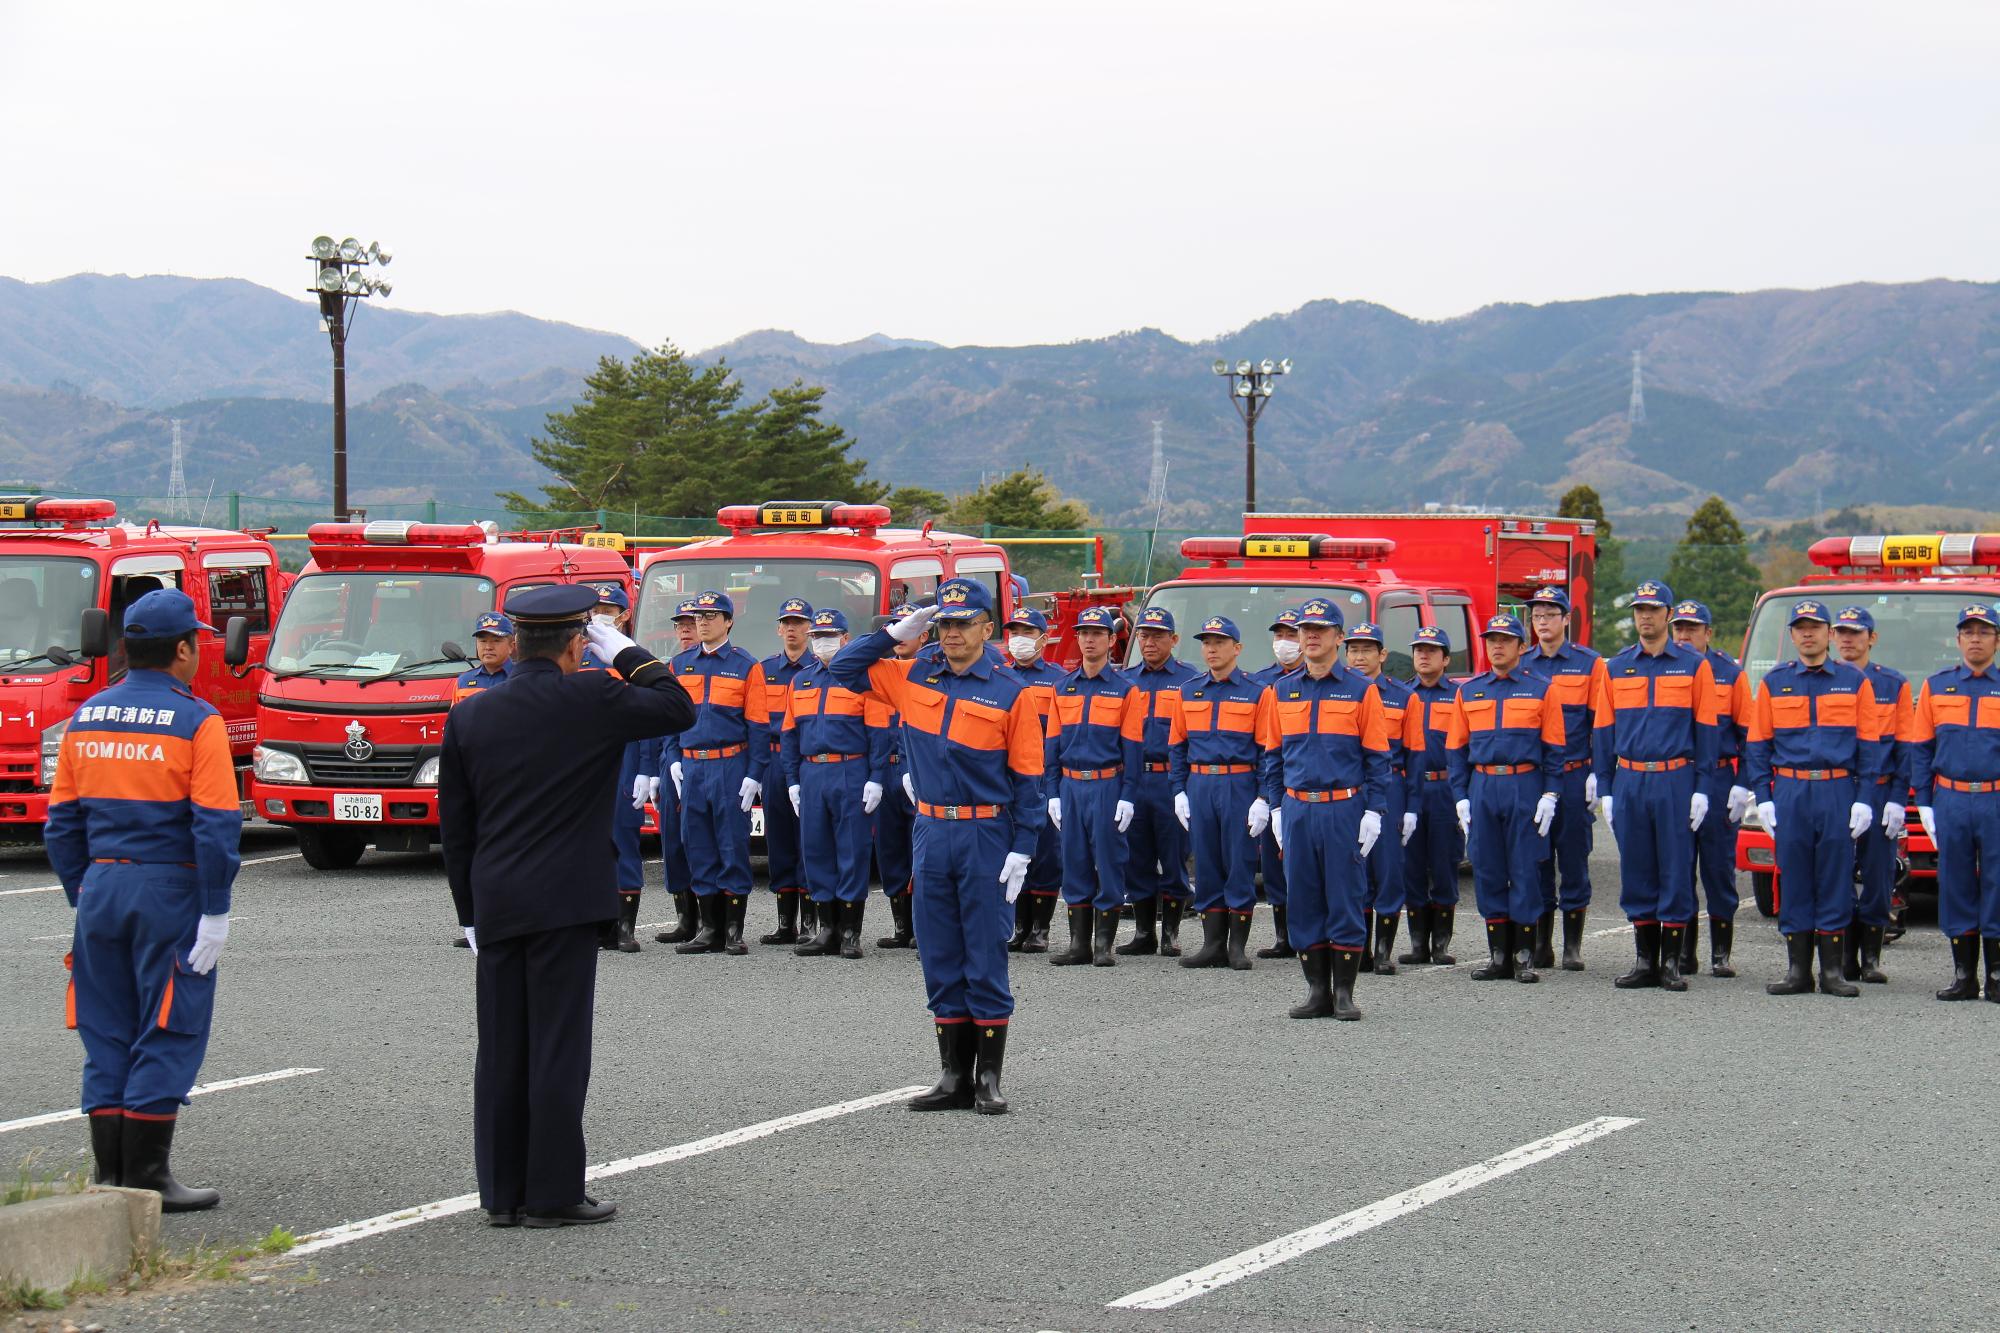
781	823
1431	857
526	781
1027	634
142	830
1156	881
493	640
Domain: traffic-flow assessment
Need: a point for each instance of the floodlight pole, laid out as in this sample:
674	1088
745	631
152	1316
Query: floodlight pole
1250	406
333	308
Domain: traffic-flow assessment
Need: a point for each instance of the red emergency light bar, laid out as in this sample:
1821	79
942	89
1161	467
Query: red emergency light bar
803	514
37	509
396	534
1286	546
1914	551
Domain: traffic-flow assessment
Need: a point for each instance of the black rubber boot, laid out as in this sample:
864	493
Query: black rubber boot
1832	956
1345	963
1103	936
990	1053
787	932
107	1147
1573	919
1045	912
1214	950
1145	939
1850	955
1545	939
734	907
1420	936
1385	943
1670	957
708	936
1170	925
1081	921
628	921
899	912
1992	945
1024	921
1281	946
1964	969
825	938
1441	924
1526	941
1798	966
1646	967
1870	959
850	927
1499	963
1721	940
607	935
808	915
1318	967
952	1092
686	920
1690	959
1367	963
1237	940
145	1150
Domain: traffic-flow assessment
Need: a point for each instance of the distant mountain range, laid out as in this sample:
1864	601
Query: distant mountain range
1780	401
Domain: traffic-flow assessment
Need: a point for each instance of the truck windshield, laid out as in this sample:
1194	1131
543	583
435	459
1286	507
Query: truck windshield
1916	631
358	625
757	586
1253	606
42	600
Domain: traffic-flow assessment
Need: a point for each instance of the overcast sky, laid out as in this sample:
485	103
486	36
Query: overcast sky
1003	172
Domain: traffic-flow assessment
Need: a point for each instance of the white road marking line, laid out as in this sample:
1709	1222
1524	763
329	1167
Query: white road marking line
57	888
465	1203
57	1117
1236	1267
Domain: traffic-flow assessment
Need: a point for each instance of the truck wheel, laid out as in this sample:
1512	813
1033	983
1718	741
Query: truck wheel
331	849
1765	886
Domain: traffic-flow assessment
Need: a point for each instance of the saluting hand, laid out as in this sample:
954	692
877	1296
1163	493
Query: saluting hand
913	626
606	638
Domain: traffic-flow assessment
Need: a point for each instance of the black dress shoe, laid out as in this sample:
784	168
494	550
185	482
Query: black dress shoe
576	1215
503	1217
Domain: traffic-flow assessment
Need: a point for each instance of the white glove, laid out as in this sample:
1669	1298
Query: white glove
1895	820
1859	817
1767	811
796	793
1464	809
1929	821
748	793
1014	873
209	934
1741	803
608	641
1121	815
1371	831
910	788
674	772
1698	810
1590	789
871	796
1604	802
1182	810
1545	813
653	788
1278	828
913	626
471	940
640	786
1055	812
1262	816
1409	826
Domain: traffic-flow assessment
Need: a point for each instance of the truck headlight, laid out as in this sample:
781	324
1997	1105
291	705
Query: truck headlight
277	765
52	739
427	773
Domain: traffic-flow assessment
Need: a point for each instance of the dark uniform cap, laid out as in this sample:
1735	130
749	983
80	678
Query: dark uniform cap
1809	610
493	623
1289	618
829	621
963	599
1972	613
551	604
1653	593
613	595
1098	617
796	608
1691	613
1218	627
164	613
1503	625
1551	596
1854	617
1320	611
1433	635
1032	619
685	609
1157	617
1366	632
710	600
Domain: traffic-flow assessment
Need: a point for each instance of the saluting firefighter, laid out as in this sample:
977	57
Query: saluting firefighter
1214	755
723	760
1092	763
1027	635
1955	770
142	831
1715	840
1285	659
1875	863
973	742
1431	857
896	817
665	791
493	643
1156	881
1815	745
1575	673
1365	653
833	755
781	822
638	772
1506	752
1328	763
1655	730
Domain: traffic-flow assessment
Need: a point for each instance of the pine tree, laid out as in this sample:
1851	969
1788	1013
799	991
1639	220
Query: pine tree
1609	630
791	454
911	505
1024	498
1712	564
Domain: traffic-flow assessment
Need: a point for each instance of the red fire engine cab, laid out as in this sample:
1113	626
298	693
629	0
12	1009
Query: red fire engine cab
1913	586
68	570
359	676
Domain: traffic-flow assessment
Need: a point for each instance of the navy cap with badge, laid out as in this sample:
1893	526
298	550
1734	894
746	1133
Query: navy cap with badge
685	609
1320	613
1366	631
963	599
1972	613
1433	635
1157	617
1854	617
829	621
493	623
1653	593
1807	611
1032	619
709	600
1691	613
1503	624
552	604
795	608
1098	617
1551	596
164	613
1218	627
1286	619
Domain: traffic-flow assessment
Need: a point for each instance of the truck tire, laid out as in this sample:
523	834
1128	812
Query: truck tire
331	849
1764	884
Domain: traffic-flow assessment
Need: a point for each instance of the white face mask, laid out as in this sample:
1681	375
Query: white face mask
824	646
1285	650
1022	646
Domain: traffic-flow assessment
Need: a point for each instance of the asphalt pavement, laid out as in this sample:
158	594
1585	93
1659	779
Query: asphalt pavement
1713	1159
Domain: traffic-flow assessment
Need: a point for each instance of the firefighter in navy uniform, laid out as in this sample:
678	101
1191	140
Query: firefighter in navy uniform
665	790
1365	653
1215	755
142	831
1270	860
796	907
1875	868
1715	840
1431	857
526	785
1095	734
1576	673
1156	881
1027	634
1954	745
493	641
638	772
896	817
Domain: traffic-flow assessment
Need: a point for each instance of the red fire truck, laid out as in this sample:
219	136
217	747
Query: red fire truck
1399	570
360	671
68	570
1913	586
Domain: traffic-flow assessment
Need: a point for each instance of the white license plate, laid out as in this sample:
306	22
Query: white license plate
756	821
354	808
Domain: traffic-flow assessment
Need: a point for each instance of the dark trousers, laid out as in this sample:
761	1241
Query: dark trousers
535	998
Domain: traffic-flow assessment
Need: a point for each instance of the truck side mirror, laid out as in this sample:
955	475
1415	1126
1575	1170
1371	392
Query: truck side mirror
95	632
236	641
451	649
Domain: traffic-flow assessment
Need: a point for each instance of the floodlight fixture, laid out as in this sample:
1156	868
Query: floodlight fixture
357	285
1221	366
1267	366
330	279
324	247
1266	387
379	252
1244	388
1284	366
351	251
1243	367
